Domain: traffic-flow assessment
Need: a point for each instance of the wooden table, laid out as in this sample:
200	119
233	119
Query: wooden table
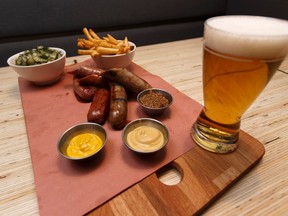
263	191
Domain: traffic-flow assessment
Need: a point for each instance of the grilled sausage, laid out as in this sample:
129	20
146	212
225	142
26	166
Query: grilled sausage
99	108
93	80
86	93
84	71
128	79
118	106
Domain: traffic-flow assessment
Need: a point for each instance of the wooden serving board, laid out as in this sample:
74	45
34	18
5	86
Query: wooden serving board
205	176
119	182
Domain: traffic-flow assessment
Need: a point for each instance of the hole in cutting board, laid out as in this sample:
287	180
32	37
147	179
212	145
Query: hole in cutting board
170	174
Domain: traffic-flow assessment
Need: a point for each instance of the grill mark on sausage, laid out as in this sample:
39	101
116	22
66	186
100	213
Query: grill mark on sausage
118	106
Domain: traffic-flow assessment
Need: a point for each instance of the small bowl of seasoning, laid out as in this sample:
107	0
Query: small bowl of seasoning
145	135
82	141
154	101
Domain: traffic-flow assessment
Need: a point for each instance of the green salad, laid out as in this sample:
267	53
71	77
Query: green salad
38	55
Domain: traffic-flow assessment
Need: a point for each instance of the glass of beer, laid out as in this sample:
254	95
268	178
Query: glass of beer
240	56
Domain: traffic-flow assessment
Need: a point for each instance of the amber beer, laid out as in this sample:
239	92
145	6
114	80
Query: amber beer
240	56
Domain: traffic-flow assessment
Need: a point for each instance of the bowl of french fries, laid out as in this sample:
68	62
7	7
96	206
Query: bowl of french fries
107	51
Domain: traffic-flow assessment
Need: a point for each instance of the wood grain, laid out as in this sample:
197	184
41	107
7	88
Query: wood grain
262	191
205	176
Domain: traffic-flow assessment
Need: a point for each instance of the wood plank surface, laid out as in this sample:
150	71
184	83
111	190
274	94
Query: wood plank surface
204	176
262	191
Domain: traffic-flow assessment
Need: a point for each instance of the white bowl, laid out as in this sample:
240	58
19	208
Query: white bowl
115	61
40	74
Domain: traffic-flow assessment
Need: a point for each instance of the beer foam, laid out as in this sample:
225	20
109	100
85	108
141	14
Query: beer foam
247	36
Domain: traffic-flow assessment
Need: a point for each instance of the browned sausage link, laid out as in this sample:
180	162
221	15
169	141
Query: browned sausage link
127	78
99	108
86	93
93	80
118	106
84	71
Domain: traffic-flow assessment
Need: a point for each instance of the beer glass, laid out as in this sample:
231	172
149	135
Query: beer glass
240	56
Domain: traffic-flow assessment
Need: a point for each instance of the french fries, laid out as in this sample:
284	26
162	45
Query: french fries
95	46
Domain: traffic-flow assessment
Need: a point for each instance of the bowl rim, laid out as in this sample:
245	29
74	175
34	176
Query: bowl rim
152	89
78	125
13	57
117	55
151	120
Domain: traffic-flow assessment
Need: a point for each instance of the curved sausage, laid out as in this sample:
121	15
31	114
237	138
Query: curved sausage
128	79
84	71
118	106
93	80
99	108
86	93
